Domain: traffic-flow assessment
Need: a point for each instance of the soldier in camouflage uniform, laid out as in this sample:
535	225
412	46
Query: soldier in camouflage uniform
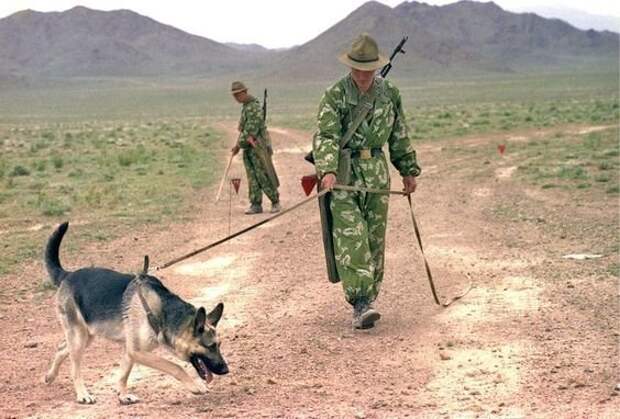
360	218
257	150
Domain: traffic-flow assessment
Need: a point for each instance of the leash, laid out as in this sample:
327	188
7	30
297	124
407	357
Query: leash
418	236
240	232
154	322
139	279
312	198
429	275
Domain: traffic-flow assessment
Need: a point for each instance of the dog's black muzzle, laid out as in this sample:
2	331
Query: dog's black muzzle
219	368
204	366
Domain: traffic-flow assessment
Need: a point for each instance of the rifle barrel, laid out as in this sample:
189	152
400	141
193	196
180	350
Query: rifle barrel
265	106
399	49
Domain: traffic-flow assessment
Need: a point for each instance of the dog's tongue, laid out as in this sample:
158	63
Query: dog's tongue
208	377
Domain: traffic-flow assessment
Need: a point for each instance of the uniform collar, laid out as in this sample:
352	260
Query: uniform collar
352	93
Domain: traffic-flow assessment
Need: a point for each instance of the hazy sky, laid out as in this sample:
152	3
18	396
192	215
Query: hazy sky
271	23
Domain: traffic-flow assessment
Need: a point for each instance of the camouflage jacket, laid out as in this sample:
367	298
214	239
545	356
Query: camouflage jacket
384	123
251	123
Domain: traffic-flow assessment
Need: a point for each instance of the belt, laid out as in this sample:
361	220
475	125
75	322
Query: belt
366	153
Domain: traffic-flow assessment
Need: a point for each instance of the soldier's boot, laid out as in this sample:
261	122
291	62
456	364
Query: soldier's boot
364	316
275	207
254	209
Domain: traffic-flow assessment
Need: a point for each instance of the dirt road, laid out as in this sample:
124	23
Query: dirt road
536	337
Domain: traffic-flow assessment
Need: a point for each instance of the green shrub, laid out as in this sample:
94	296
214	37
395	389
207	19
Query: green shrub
572	172
40	165
602	178
19	171
51	207
58	162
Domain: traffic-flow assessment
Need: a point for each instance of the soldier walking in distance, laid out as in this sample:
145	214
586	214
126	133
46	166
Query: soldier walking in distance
257	151
359	219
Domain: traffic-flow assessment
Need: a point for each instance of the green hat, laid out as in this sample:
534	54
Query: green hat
238	87
364	54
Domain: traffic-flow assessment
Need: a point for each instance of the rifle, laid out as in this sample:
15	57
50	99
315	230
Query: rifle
265	106
399	49
383	73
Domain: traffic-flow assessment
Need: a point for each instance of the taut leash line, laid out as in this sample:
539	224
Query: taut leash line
240	232
368	190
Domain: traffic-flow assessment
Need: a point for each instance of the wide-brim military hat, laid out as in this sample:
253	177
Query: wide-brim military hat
364	54
237	87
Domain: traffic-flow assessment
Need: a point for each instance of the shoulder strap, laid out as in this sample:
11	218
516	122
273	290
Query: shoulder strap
360	111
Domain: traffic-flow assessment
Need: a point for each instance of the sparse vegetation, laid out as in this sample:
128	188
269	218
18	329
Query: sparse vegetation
145	177
580	161
121	164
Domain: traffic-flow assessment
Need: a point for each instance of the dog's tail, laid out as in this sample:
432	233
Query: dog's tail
52	260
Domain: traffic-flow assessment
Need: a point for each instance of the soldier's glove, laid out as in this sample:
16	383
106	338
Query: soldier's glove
252	141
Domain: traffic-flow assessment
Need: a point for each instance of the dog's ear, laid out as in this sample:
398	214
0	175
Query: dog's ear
199	321
216	314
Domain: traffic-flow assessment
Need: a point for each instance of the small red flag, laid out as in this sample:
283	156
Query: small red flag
308	182
236	182
501	148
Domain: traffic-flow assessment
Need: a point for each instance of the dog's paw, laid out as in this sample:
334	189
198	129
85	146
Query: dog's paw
197	388
49	378
126	399
86	398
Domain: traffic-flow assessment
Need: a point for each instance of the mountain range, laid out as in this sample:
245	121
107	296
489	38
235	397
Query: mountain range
466	37
578	18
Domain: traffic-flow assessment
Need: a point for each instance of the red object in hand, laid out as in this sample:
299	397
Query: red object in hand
252	141
501	148
308	183
236	182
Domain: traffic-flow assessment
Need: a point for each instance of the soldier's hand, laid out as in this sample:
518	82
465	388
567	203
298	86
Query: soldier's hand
328	181
235	149
252	141
409	184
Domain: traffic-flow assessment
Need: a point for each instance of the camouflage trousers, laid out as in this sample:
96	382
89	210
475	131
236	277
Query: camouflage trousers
258	181
359	226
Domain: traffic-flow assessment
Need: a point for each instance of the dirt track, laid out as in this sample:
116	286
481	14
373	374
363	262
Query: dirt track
537	336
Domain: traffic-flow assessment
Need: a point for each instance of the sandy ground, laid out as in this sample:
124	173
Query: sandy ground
536	337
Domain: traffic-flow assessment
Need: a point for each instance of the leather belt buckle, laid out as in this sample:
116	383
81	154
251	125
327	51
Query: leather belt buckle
365	154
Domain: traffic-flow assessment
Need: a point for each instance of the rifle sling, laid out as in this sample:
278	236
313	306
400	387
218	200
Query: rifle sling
360	111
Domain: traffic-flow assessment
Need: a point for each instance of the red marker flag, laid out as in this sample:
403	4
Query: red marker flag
501	148
236	182
308	182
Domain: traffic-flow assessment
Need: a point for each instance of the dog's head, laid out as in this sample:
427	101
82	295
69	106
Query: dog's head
200	346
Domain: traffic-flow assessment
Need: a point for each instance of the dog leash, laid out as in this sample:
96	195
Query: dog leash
429	275
240	232
312	198
418	236
154	322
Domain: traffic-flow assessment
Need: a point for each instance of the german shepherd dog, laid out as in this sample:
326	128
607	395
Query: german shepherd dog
137	311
